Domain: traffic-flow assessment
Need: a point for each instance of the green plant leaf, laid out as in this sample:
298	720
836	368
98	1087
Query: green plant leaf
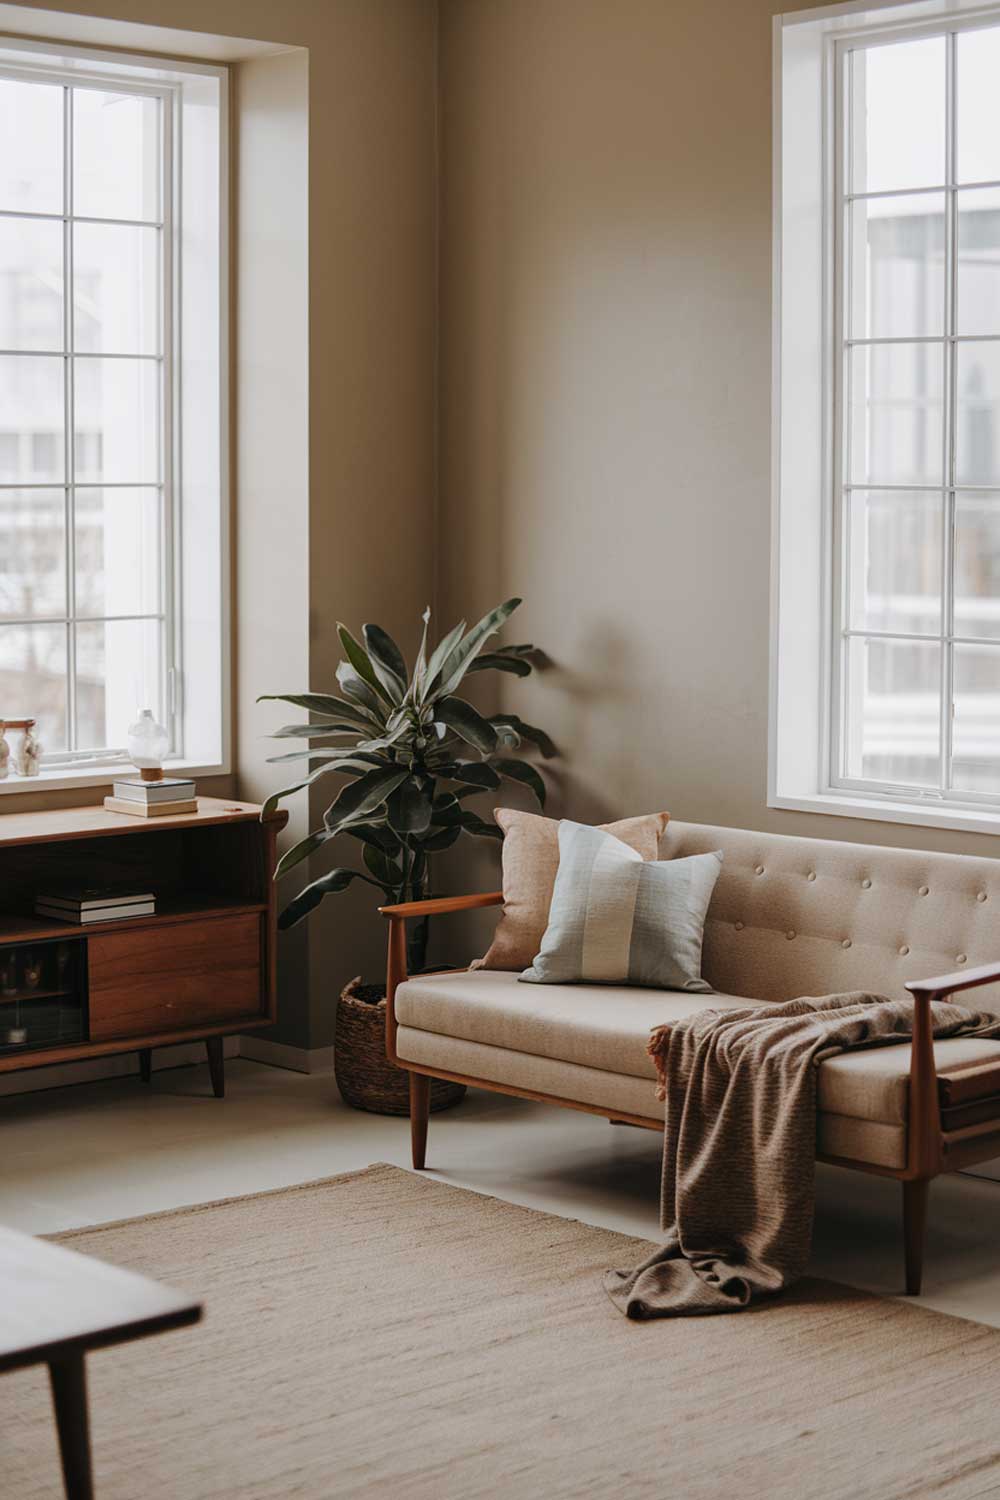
329	884
526	732
476	825
523	771
420	670
320	703
346	752
355	688
439	655
387	660
301	851
323	731
402	730
358	658
409	808
447	812
379	834
387	871
476	773
271	802
467	722
441	838
362	797
457	662
493	661
526	649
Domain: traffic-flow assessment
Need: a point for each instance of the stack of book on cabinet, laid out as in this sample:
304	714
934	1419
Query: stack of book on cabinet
153	799
95	905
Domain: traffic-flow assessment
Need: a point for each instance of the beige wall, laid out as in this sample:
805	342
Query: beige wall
605	387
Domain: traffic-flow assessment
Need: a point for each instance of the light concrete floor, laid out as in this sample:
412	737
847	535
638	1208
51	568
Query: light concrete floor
95	1152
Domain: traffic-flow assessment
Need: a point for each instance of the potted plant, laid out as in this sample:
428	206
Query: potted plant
408	752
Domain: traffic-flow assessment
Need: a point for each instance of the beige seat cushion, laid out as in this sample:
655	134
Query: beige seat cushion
530	863
606	1027
597	1026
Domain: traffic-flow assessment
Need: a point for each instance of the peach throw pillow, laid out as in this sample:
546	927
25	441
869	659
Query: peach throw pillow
530	865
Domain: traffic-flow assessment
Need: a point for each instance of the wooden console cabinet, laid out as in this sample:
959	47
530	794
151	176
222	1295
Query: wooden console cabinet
202	967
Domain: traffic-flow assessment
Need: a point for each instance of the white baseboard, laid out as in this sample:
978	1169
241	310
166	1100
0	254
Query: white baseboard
281	1055
120	1065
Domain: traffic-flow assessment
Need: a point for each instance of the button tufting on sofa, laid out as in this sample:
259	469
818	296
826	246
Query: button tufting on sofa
961	958
758	869
981	896
846	943
811	875
866	884
924	891
904	950
789	935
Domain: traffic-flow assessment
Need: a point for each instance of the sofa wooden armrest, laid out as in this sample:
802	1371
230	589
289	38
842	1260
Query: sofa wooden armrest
437	905
950	984
396	962
925	1139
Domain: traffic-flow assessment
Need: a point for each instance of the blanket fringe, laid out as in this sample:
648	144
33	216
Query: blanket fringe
659	1041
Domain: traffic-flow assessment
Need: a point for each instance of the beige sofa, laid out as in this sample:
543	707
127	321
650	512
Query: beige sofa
789	917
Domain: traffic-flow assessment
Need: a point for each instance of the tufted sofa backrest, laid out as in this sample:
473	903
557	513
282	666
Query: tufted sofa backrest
794	916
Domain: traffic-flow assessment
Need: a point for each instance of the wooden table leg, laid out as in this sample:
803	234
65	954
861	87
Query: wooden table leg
69	1397
145	1063
216	1065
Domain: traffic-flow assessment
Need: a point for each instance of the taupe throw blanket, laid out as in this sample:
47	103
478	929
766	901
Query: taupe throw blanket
739	1143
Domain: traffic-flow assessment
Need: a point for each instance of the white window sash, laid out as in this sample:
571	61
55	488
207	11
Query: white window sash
169	226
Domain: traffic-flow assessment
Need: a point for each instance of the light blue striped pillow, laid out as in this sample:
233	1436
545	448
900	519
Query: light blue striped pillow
616	918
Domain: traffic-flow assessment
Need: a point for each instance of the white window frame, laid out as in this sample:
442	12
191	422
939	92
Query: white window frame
805	757
77	66
169	428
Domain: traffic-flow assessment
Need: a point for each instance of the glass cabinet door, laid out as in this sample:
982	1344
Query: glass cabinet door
43	997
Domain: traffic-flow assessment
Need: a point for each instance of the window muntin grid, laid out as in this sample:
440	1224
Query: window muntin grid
100	641
916	671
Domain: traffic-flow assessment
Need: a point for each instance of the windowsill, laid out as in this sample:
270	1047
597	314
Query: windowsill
65	778
883	810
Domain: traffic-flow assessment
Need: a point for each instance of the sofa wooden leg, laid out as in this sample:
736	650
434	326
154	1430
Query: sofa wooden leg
420	1108
914	1225
145	1063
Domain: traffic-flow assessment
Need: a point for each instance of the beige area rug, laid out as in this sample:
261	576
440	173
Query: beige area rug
383	1334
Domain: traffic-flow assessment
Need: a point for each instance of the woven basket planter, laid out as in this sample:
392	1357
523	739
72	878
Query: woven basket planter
365	1076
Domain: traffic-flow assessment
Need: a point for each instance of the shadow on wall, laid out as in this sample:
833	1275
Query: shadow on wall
598	724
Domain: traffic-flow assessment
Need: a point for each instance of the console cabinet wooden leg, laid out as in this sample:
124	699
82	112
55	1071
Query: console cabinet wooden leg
914	1226
145	1063
216	1066
420	1108
69	1397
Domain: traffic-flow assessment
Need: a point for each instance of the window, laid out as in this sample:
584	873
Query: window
896	268
112	403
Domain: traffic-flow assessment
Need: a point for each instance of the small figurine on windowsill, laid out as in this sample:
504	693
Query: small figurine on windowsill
29	756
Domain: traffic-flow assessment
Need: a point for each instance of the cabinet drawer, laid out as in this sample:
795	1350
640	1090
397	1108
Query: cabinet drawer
175	977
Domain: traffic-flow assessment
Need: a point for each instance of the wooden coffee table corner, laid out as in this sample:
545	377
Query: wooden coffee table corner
55	1307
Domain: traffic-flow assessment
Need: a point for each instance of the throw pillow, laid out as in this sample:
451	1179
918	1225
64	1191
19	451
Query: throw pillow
530	862
617	919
